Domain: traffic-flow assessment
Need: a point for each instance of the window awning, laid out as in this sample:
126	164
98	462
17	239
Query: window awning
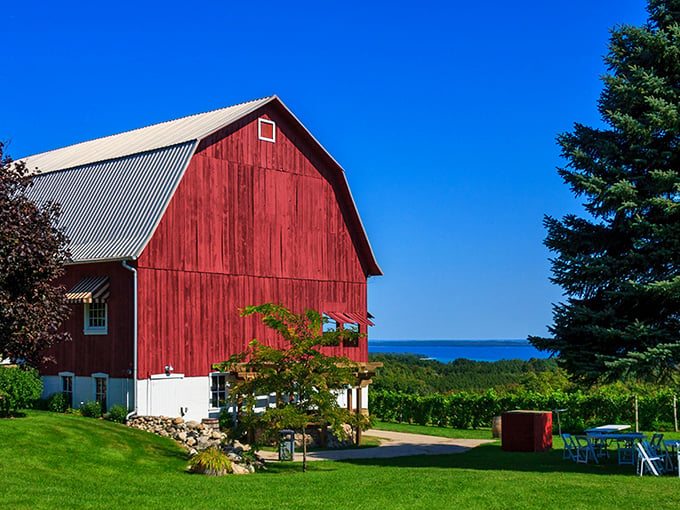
349	318
93	289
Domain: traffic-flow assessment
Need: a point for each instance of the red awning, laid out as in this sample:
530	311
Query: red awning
359	318
349	318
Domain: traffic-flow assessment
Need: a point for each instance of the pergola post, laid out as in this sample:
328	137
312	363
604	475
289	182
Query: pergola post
358	433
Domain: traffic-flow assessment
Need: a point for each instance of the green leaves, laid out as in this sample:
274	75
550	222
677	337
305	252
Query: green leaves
299	374
32	254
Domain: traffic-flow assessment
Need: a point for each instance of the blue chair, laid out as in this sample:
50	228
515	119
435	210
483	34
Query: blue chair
586	450
570	447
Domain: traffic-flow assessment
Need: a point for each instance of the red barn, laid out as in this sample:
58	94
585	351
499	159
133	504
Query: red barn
173	228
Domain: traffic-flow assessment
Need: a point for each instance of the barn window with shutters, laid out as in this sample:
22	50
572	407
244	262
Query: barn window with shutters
266	130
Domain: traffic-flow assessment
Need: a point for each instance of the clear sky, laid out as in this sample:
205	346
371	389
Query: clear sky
443	114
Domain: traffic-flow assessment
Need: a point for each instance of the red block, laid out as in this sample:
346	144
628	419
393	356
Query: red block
526	431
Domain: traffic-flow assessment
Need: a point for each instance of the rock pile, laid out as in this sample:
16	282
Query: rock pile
195	436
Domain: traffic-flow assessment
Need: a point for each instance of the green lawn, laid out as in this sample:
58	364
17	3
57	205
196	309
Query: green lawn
434	431
58	461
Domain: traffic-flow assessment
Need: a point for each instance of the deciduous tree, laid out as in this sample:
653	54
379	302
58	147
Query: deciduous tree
32	254
302	377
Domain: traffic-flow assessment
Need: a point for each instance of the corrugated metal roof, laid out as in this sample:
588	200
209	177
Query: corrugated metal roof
143	139
114	190
111	208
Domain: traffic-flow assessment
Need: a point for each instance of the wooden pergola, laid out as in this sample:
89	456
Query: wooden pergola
364	372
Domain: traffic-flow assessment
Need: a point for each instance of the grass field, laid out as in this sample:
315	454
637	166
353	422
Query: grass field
434	431
58	461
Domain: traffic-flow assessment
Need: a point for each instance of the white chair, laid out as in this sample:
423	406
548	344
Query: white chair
647	461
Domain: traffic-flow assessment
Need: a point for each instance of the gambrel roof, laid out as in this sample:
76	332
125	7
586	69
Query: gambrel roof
114	190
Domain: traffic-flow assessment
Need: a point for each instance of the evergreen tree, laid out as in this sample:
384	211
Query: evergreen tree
620	267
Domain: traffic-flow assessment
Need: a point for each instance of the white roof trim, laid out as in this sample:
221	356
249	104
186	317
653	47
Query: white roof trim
149	138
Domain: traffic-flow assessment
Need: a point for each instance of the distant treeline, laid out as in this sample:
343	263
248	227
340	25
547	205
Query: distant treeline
411	374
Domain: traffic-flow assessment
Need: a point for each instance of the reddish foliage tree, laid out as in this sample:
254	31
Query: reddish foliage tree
32	254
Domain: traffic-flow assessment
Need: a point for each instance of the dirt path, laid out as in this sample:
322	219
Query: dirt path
393	444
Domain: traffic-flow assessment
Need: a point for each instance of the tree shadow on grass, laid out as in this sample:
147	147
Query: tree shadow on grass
15	414
490	457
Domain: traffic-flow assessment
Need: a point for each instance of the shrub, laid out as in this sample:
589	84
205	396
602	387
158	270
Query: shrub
117	413
41	404
91	409
19	388
57	403
211	461
226	420
469	410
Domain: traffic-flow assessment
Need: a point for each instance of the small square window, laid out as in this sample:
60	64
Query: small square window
351	326
266	130
96	319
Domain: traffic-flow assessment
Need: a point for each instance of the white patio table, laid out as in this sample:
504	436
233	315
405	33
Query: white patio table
604	435
607	429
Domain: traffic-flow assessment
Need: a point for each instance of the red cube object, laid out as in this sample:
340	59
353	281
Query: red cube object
526	431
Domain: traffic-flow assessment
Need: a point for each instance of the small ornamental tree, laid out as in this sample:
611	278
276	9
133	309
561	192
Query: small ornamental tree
301	376
32	255
620	266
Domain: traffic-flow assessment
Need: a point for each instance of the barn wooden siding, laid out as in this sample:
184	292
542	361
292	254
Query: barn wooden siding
89	354
251	222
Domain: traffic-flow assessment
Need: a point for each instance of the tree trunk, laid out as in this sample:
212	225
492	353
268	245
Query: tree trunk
304	449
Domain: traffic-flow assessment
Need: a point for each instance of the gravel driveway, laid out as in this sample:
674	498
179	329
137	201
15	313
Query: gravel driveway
393	444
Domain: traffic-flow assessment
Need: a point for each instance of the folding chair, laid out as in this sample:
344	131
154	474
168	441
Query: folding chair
647	462
657	443
570	447
585	450
626	450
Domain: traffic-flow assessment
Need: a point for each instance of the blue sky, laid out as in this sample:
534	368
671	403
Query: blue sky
443	114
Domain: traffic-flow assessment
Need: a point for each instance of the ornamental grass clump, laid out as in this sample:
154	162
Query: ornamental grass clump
211	461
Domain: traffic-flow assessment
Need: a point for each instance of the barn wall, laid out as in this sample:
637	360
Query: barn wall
251	222
87	354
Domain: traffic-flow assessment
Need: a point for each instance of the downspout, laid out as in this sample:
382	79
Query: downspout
134	336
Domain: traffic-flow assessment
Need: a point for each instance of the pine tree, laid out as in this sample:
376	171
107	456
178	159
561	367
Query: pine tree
620	267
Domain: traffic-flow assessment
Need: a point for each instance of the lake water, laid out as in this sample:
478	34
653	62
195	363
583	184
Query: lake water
449	350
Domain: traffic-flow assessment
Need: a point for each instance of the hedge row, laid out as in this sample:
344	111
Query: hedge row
474	410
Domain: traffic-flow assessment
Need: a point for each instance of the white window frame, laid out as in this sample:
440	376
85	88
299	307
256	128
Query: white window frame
62	375
259	130
100	375
96	330
213	376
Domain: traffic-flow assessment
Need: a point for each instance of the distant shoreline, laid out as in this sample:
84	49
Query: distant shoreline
450	350
454	343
